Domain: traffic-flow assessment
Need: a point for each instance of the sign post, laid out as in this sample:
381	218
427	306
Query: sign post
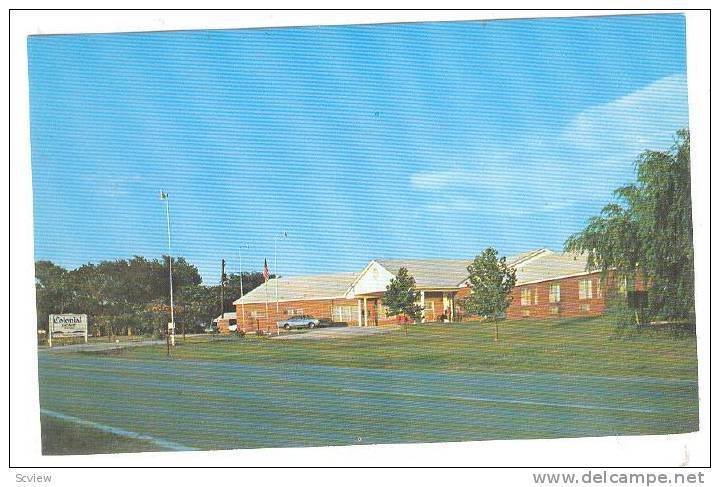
67	326
170	331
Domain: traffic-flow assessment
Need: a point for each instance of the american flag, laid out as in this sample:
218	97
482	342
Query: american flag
266	272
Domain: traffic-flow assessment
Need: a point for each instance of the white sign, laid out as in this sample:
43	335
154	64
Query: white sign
62	326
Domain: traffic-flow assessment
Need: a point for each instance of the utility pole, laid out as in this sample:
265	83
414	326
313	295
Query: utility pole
242	302
277	276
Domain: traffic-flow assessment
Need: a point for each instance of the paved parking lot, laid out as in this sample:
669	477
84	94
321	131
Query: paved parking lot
335	332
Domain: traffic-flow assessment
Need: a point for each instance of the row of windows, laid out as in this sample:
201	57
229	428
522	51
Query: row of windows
529	295
289	312
340	313
555	310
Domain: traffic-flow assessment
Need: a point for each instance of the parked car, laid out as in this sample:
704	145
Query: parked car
300	321
210	329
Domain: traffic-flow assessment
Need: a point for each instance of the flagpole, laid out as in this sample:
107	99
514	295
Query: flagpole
267	312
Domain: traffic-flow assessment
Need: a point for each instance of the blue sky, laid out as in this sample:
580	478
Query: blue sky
417	140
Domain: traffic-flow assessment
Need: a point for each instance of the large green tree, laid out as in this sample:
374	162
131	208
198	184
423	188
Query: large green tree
647	232
491	281
122	296
54	292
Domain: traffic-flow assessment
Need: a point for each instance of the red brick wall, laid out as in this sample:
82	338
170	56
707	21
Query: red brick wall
321	308
570	304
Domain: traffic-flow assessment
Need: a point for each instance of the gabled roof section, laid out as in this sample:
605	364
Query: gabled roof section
431	273
525	257
325	286
551	265
516	261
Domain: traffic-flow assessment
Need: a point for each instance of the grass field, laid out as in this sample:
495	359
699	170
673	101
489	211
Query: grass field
447	382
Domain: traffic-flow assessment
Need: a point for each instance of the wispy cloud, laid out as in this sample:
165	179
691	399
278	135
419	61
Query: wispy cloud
635	122
549	174
436	180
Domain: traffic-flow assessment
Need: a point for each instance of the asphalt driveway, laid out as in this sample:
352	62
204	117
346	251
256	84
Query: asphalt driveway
331	333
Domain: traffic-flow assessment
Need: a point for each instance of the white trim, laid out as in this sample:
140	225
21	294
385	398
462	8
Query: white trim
362	273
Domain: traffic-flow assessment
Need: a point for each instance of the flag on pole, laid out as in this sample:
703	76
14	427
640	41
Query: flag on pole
266	272
163	195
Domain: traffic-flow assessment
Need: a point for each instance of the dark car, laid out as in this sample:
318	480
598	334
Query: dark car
300	321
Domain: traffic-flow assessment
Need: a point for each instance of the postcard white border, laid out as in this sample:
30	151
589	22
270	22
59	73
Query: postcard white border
661	451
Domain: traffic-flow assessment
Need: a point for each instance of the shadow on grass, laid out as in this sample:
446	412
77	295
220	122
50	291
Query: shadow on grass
64	438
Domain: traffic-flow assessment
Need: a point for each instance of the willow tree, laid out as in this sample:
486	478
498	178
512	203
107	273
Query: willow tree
647	232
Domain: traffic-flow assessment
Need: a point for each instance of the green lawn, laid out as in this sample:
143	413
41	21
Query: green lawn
448	382
587	346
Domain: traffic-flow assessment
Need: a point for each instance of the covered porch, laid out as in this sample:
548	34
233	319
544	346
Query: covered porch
438	305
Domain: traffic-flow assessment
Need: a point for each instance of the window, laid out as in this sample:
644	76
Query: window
526	313
525	296
586	289
585	308
599	289
257	314
294	311
554	296
554	310
535	296
344	314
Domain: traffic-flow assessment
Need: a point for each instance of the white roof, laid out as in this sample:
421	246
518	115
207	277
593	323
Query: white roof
430	273
446	273
533	266
551	265
326	286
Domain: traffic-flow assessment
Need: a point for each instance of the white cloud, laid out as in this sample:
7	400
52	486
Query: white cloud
585	161
643	119
434	180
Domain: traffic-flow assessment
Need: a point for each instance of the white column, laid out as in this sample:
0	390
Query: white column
359	312
365	308
452	308
422	305
446	305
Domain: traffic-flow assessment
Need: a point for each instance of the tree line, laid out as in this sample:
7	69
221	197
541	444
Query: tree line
131	296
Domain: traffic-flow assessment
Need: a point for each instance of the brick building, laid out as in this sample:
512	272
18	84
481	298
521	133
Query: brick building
320	296
549	285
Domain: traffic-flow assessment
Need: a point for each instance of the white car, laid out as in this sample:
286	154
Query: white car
232	327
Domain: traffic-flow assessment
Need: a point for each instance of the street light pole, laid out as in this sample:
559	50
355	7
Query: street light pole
277	275
171	334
